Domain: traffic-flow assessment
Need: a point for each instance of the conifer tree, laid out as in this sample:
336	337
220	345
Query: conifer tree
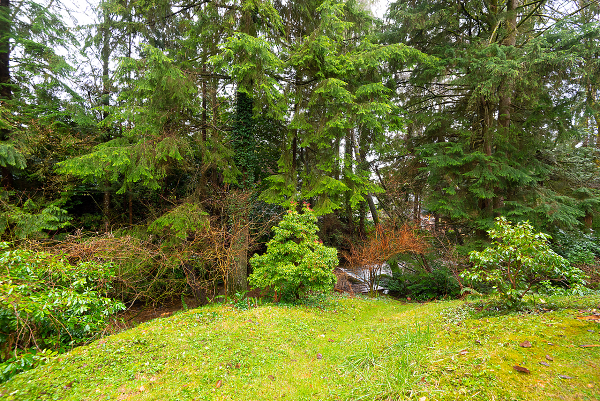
486	115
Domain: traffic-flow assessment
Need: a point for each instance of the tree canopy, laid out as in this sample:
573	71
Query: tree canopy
455	113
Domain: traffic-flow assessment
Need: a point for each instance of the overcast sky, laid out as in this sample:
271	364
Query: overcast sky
81	10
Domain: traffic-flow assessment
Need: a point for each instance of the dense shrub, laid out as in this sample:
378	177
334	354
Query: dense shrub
518	261
143	271
576	247
581	250
296	261
48	304
420	284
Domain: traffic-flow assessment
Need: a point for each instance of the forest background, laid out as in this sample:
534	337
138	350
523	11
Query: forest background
167	137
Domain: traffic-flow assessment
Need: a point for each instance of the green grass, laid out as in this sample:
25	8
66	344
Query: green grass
339	348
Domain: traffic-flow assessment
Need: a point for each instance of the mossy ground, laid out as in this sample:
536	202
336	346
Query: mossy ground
339	348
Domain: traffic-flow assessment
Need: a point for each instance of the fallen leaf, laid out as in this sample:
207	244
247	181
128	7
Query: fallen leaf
525	344
591	317
271	377
238	365
564	377
544	363
319	356
423	399
142	388
219	384
590	385
521	369
549	358
589	345
463	352
331	341
68	385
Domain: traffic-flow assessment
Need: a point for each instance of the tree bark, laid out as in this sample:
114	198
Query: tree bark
507	88
105	102
105	55
106	207
348	168
5	90
238	275
361	159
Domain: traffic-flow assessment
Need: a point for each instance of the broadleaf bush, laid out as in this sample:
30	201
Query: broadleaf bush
47	305
519	261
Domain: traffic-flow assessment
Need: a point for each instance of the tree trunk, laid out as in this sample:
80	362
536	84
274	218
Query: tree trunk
130	207
237	280
5	90
105	55
589	220
195	283
507	87
361	159
106	207
348	168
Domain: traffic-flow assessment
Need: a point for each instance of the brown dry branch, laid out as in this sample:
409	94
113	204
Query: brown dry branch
592	271
141	265
404	185
384	243
163	266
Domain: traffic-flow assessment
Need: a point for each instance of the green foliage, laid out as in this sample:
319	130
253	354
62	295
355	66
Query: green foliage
296	261
46	303
518	261
243	140
181	221
155	107
576	247
489	137
29	220
9	156
423	285
24	362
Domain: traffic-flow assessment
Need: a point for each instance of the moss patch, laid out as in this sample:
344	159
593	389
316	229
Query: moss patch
338	349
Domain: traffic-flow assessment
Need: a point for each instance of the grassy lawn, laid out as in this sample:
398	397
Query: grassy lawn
338	348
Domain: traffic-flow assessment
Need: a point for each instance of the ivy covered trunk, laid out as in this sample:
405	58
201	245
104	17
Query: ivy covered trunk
244	146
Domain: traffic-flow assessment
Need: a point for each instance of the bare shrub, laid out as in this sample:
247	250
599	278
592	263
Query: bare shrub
592	271
185	248
143	271
380	246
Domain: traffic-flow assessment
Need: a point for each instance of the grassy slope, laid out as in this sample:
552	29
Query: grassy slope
342	349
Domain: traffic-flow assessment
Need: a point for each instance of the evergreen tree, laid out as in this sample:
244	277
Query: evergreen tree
485	116
35	121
